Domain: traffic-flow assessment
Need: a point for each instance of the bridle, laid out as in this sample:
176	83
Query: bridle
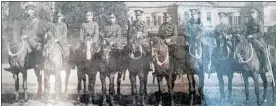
198	56
9	48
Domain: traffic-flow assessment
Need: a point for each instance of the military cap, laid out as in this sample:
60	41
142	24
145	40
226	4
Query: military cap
138	12
112	15
30	5
89	13
222	14
167	14
59	14
254	10
194	11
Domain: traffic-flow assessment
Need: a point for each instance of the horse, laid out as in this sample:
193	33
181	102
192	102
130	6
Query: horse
53	63
251	66
86	66
113	60
224	65
139	65
163	66
193	64
21	58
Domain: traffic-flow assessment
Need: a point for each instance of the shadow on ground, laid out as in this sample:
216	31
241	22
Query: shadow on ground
179	99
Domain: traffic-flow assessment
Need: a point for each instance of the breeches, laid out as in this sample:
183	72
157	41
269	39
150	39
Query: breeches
259	44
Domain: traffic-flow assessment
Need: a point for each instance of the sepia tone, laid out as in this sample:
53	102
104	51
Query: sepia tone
138	53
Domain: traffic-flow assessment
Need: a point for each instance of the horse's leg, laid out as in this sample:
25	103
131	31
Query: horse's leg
159	80
246	87
46	84
39	81
274	87
170	89
142	88
16	80
221	87
191	87
102	77
132	78
201	86
263	76
80	75
68	73
111	88
91	86
84	83
230	80
256	84
57	84
119	83
24	73
145	83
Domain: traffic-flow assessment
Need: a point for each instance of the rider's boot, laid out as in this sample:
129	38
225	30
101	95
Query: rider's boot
265	59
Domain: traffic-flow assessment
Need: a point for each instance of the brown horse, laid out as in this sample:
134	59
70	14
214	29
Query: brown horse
113	60
86	66
192	63
21	58
224	65
139	65
163	66
251	67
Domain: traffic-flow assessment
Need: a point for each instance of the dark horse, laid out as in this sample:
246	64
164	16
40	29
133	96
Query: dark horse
113	60
163	66
224	65
193	64
86	66
139	65
251	67
22	58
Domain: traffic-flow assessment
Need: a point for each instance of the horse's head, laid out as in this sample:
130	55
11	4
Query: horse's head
135	48
105	50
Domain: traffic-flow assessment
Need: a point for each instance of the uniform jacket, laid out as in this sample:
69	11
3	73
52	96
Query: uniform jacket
254	28
139	27
112	33
168	31
194	30
90	30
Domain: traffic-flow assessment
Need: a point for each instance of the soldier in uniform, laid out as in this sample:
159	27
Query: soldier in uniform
89	34
33	30
254	31
112	32
139	29
223	30
168	32
194	27
60	33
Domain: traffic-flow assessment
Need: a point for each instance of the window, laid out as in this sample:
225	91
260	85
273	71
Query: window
154	20
148	21
187	15
159	20
230	20
273	15
208	18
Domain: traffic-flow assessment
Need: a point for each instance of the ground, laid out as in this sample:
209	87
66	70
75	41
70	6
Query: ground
211	91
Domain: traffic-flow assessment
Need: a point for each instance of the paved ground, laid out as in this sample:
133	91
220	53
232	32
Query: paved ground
211	90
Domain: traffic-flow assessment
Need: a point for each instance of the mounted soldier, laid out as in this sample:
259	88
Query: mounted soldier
89	34
254	32
222	33
31	30
168	32
59	33
112	32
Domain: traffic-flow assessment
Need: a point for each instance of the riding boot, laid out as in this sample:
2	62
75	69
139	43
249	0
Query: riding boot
265	59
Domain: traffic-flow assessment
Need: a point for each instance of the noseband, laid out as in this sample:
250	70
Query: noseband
251	56
198	56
